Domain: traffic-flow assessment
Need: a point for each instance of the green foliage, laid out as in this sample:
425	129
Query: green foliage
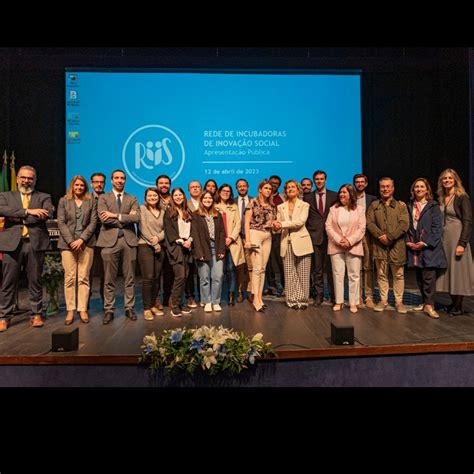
52	273
208	349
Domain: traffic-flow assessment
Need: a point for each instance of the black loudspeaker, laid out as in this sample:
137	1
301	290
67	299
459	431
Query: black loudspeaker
342	334
65	340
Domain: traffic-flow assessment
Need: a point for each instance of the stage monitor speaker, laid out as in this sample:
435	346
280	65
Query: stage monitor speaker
342	334
65	340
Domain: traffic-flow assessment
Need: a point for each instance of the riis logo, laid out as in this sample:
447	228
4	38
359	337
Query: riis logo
152	150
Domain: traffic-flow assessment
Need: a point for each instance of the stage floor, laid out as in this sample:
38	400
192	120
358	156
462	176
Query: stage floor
293	333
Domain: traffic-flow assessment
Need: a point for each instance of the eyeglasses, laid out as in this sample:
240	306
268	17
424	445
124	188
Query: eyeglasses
98	182
26	178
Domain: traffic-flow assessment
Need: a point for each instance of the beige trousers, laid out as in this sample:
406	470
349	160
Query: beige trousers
259	256
77	266
398	280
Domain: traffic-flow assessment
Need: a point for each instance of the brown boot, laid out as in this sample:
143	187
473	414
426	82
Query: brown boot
231	298
369	303
3	325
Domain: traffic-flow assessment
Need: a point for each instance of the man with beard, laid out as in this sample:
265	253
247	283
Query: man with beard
306	185
163	183
364	200
244	272
24	241
98	186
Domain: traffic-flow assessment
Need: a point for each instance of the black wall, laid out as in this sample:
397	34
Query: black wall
415	101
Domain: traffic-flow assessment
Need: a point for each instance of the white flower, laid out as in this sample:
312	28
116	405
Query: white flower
257	337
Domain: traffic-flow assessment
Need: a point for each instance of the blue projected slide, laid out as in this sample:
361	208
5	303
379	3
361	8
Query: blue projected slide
212	125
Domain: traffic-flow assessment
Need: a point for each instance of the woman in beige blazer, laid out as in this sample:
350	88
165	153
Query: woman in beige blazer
77	220
296	246
234	256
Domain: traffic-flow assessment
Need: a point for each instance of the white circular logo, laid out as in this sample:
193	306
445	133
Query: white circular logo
152	150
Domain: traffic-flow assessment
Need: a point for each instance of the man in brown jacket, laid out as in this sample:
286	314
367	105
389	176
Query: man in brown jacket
387	221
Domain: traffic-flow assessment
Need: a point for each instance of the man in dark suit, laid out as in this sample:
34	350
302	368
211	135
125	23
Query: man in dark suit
319	203
24	240
244	272
98	186
364	200
163	184
118	212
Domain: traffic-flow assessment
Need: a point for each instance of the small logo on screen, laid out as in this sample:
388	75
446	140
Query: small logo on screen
73	94
72	78
73	134
152	150
73	116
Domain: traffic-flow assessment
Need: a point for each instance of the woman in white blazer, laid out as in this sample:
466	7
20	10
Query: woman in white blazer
296	246
345	227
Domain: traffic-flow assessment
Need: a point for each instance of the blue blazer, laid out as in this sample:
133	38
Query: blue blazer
430	231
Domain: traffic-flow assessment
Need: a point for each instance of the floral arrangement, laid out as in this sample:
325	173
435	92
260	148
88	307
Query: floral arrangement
51	278
209	349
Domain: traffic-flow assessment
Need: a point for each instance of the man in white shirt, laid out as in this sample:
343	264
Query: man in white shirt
364	200
195	190
244	272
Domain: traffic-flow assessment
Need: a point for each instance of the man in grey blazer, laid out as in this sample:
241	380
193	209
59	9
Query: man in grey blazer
118	212
24	240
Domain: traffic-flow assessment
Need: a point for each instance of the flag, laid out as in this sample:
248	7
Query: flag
12	172
3	173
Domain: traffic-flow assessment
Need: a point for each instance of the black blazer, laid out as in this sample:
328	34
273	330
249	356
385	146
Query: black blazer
173	249
369	199
11	207
316	222
463	210
202	240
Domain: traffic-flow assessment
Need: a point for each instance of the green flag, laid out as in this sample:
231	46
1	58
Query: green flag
3	174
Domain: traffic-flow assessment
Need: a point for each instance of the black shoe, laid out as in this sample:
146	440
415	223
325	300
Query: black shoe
130	313
109	315
456	312
185	309
318	301
231	298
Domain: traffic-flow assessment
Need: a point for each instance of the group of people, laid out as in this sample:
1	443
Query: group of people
284	242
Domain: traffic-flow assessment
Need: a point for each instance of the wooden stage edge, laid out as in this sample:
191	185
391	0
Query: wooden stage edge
324	353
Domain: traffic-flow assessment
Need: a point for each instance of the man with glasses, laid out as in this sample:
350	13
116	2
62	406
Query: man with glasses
98	187
24	241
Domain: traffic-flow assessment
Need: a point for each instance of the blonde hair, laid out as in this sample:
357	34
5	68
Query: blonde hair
70	189
260	198
458	187
298	186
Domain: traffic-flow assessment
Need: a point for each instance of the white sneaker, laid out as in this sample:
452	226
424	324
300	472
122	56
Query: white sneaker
216	307
420	307
208	308
176	313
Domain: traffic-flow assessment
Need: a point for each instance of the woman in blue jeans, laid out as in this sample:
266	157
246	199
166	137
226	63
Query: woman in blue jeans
209	251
